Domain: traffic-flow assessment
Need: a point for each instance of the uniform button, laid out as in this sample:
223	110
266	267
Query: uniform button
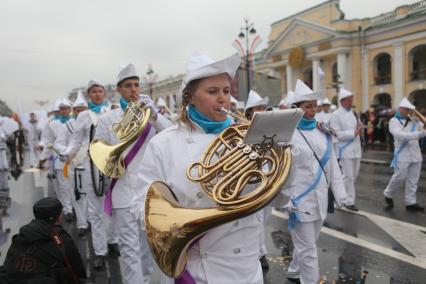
236	223
189	140
204	254
237	250
200	194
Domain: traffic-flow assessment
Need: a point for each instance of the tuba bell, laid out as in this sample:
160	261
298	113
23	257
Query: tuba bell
109	159
240	178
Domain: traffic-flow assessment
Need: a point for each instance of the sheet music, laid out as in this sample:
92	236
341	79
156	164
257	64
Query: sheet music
277	124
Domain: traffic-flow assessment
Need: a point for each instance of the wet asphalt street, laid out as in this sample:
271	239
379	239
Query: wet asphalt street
351	246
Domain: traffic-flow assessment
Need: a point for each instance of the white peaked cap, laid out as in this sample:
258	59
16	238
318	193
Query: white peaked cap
55	105
303	93
234	100
94	82
333	108
282	103
254	99
326	101
319	102
289	100
343	93
127	72
200	66
406	104
161	102
65	102
80	101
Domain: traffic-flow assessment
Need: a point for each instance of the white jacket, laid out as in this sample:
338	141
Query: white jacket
50	133
303	171
344	123
226	254
323	117
126	185
411	152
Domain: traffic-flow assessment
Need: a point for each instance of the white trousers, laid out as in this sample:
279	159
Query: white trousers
136	260
407	174
350	170
4	182
80	206
63	189
103	227
264	214
305	256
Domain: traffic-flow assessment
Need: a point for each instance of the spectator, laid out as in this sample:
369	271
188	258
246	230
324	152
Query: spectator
43	252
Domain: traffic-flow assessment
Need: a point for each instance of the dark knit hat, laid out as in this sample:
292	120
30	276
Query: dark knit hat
47	209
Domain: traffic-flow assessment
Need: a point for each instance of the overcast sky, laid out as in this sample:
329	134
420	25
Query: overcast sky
48	47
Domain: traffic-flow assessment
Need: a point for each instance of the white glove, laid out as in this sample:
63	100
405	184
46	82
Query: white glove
288	207
147	100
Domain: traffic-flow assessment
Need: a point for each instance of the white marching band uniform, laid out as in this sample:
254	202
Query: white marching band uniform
304	169
136	262
50	134
34	134
224	254
4	164
103	228
324	117
344	122
408	157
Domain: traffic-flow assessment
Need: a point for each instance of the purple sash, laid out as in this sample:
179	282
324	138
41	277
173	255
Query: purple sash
185	278
127	160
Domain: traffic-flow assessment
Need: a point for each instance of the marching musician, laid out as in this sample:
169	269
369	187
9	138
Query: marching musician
314	170
4	163
228	253
52	130
324	115
34	134
103	228
73	169
254	104
136	260
287	102
407	159
348	128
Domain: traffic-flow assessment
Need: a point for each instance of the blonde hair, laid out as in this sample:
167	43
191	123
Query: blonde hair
187	94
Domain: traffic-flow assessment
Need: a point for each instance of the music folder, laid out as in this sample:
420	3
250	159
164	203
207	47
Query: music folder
275	126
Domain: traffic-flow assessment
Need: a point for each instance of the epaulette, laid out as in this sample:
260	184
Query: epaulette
326	129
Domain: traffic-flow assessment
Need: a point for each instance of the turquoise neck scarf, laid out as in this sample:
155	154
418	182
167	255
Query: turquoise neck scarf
62	118
399	116
209	126
307	124
123	103
97	107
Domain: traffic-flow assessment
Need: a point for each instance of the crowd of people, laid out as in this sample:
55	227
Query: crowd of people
326	151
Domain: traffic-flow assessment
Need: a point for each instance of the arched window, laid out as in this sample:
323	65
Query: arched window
382	69
382	100
418	98
307	77
418	63
334	74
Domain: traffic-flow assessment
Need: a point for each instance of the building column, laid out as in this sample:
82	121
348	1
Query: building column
398	72
316	84
365	99
341	68
289	78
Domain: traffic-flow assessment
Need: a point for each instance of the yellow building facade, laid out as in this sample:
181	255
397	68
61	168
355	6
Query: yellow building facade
380	59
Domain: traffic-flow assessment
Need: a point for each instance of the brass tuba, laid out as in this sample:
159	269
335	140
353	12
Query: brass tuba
109	159
240	178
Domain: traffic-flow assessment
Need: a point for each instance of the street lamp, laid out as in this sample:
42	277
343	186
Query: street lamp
252	40
150	79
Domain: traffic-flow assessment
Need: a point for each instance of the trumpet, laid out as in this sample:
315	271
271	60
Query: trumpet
419	116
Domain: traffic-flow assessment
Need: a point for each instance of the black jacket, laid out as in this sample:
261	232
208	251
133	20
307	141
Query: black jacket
33	256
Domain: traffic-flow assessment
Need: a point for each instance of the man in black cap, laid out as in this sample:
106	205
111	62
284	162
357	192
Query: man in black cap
43	252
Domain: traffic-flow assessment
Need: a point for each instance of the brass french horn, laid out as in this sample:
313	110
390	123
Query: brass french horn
240	178
109	159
